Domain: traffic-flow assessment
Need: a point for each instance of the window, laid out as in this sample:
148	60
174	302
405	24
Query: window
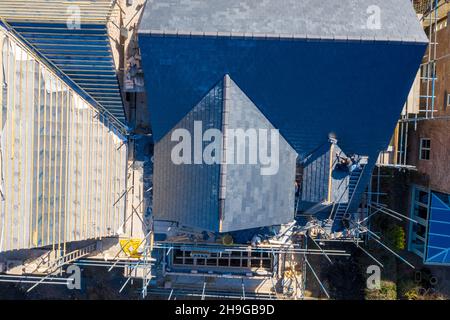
420	230
448	101
233	259
425	149
429	71
422	197
419	212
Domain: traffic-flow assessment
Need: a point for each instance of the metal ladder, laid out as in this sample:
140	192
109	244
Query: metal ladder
427	99
70	257
354	180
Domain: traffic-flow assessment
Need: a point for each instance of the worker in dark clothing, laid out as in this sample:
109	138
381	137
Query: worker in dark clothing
343	163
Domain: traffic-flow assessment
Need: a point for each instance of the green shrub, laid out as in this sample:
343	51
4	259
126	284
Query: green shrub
396	236
409	290
387	291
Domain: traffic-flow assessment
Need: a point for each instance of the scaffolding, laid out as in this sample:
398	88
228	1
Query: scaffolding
282	277
289	263
431	13
285	273
375	206
427	105
55	141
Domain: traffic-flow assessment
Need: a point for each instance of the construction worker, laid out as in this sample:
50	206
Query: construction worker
343	162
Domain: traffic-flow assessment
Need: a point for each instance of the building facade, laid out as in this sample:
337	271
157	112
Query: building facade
429	148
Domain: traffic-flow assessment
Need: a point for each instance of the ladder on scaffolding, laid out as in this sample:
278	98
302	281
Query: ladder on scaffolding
147	265
70	257
354	180
57	264
427	98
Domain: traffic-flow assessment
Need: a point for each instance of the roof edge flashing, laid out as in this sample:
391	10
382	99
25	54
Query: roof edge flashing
271	36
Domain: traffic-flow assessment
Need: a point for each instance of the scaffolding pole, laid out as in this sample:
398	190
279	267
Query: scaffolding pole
267	249
388	211
370	255
324	253
394	253
317	278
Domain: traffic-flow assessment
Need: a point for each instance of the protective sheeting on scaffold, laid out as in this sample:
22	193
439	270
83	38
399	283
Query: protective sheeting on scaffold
63	164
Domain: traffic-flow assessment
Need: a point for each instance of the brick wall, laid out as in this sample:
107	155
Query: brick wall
435	171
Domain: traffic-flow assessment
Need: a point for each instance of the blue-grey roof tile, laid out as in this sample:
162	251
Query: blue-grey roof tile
353	19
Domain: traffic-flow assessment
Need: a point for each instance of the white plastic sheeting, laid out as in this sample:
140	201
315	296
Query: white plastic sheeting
63	166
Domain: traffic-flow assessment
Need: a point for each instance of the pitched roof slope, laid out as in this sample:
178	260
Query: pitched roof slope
224	197
335	19
74	36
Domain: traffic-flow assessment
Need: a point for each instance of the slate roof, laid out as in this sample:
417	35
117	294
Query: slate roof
334	19
189	194
252	199
192	194
307	89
